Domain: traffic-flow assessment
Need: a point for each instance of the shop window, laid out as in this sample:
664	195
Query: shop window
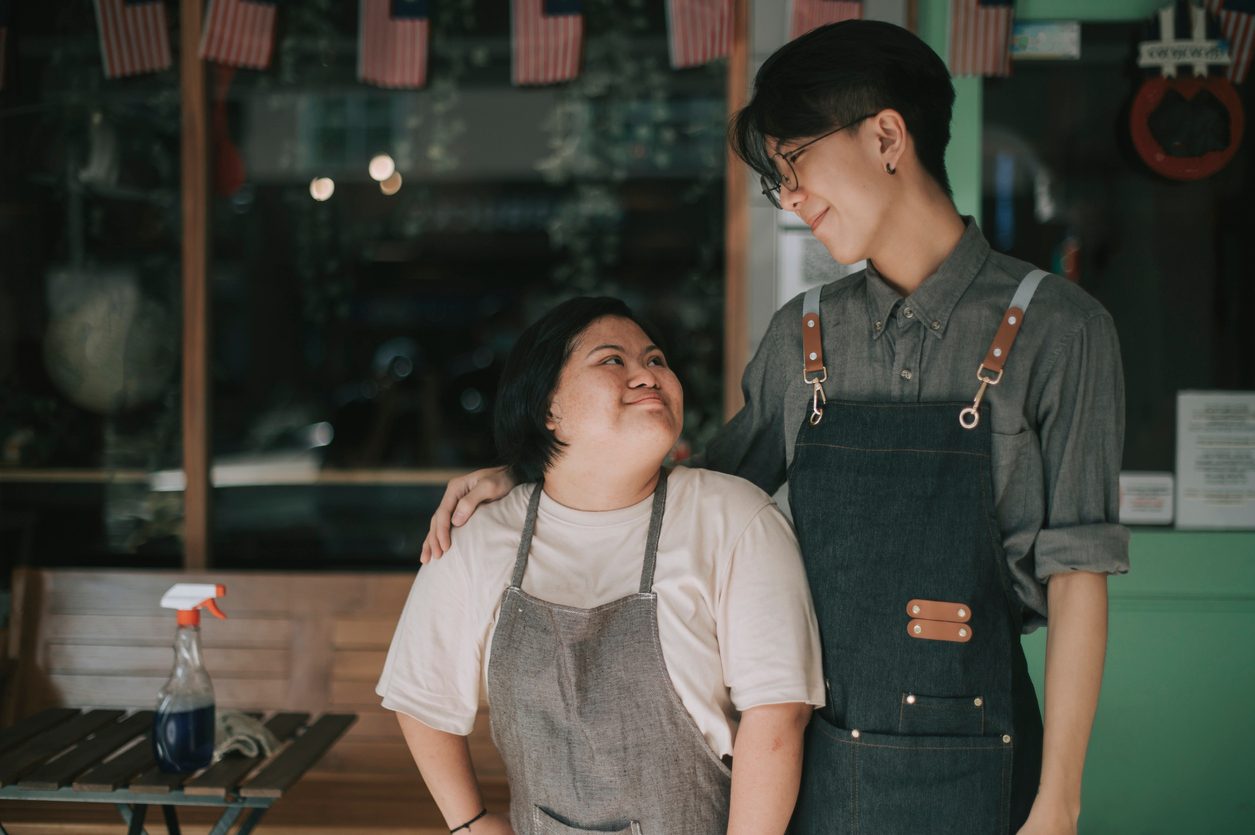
90	299
1063	187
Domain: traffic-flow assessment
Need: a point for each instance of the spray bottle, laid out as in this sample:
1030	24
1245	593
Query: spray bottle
183	728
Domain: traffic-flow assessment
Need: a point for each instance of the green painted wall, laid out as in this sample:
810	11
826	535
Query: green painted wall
1172	740
1175	728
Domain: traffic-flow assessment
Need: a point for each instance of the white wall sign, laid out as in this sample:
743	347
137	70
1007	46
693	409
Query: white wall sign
1216	459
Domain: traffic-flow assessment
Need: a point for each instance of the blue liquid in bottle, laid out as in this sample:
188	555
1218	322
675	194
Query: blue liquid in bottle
183	740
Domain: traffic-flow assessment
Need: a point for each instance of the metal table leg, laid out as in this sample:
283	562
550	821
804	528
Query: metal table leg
228	817
172	819
249	822
134	816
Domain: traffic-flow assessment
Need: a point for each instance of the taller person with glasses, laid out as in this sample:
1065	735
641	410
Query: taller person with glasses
950	423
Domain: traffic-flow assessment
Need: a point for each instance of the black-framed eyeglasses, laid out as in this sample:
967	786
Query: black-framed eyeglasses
786	174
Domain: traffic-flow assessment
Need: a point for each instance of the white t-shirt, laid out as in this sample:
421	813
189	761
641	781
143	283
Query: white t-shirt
735	617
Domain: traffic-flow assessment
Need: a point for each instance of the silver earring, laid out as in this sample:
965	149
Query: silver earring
890	169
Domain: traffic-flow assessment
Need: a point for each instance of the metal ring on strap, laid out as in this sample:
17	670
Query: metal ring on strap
814	372
996	357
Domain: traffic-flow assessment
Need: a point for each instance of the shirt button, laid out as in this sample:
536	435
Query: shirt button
908	313
936	325
905	374
878	325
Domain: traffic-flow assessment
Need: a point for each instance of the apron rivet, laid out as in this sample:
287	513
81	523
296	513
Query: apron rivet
978	701
918	629
910	699
963	613
855	734
962	633
915	610
1006	738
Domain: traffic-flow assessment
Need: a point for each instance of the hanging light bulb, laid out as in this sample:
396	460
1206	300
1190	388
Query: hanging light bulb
321	188
391	185
381	167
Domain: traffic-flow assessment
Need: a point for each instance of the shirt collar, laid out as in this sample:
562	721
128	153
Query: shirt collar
935	298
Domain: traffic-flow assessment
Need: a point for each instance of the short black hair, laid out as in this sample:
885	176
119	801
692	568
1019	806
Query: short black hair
524	443
835	74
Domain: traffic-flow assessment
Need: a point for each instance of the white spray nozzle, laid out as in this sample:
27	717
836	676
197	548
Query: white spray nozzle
189	598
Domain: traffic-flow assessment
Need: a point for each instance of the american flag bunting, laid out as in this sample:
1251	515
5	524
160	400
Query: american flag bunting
134	37
392	42
548	37
698	31
811	14
239	33
980	37
1237	24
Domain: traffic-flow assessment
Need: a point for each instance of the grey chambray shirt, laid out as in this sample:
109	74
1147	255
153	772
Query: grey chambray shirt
1057	415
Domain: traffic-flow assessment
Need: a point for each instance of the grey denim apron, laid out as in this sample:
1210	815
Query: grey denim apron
932	724
592	732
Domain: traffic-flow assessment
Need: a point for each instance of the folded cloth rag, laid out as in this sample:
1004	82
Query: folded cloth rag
235	731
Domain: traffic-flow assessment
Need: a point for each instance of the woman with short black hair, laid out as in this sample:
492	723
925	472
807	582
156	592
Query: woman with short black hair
647	641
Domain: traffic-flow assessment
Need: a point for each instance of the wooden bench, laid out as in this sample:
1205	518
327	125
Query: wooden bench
294	642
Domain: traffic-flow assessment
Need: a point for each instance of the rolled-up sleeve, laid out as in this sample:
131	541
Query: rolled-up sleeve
751	445
1081	425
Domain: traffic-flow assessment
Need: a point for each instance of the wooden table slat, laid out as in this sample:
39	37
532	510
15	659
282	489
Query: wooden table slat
19	760
226	774
156	781
118	772
32	725
108	739
288	766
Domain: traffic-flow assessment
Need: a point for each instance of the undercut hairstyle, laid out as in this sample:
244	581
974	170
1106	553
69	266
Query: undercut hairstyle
835	74
524	443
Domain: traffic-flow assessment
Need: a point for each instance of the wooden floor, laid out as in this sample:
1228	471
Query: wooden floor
312	807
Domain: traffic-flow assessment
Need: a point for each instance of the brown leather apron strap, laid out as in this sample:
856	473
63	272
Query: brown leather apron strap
989	373
814	373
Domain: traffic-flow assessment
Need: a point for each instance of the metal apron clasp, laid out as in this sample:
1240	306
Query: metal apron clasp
818	398
969	418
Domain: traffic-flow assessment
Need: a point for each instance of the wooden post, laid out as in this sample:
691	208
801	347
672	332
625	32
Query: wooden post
736	226
196	310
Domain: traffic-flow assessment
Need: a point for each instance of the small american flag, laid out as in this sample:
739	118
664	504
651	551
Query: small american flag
240	33
980	37
548	35
1237	24
392	42
811	14
4	36
134	37
699	31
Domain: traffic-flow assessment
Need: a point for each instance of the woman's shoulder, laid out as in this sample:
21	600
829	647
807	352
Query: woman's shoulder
490	536
735	497
507	512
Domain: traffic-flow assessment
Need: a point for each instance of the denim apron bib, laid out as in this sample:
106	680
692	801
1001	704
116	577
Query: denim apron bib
932	724
592	732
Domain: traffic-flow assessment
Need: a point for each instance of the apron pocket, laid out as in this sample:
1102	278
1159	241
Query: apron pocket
941	715
825	803
934	784
545	822
859	782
